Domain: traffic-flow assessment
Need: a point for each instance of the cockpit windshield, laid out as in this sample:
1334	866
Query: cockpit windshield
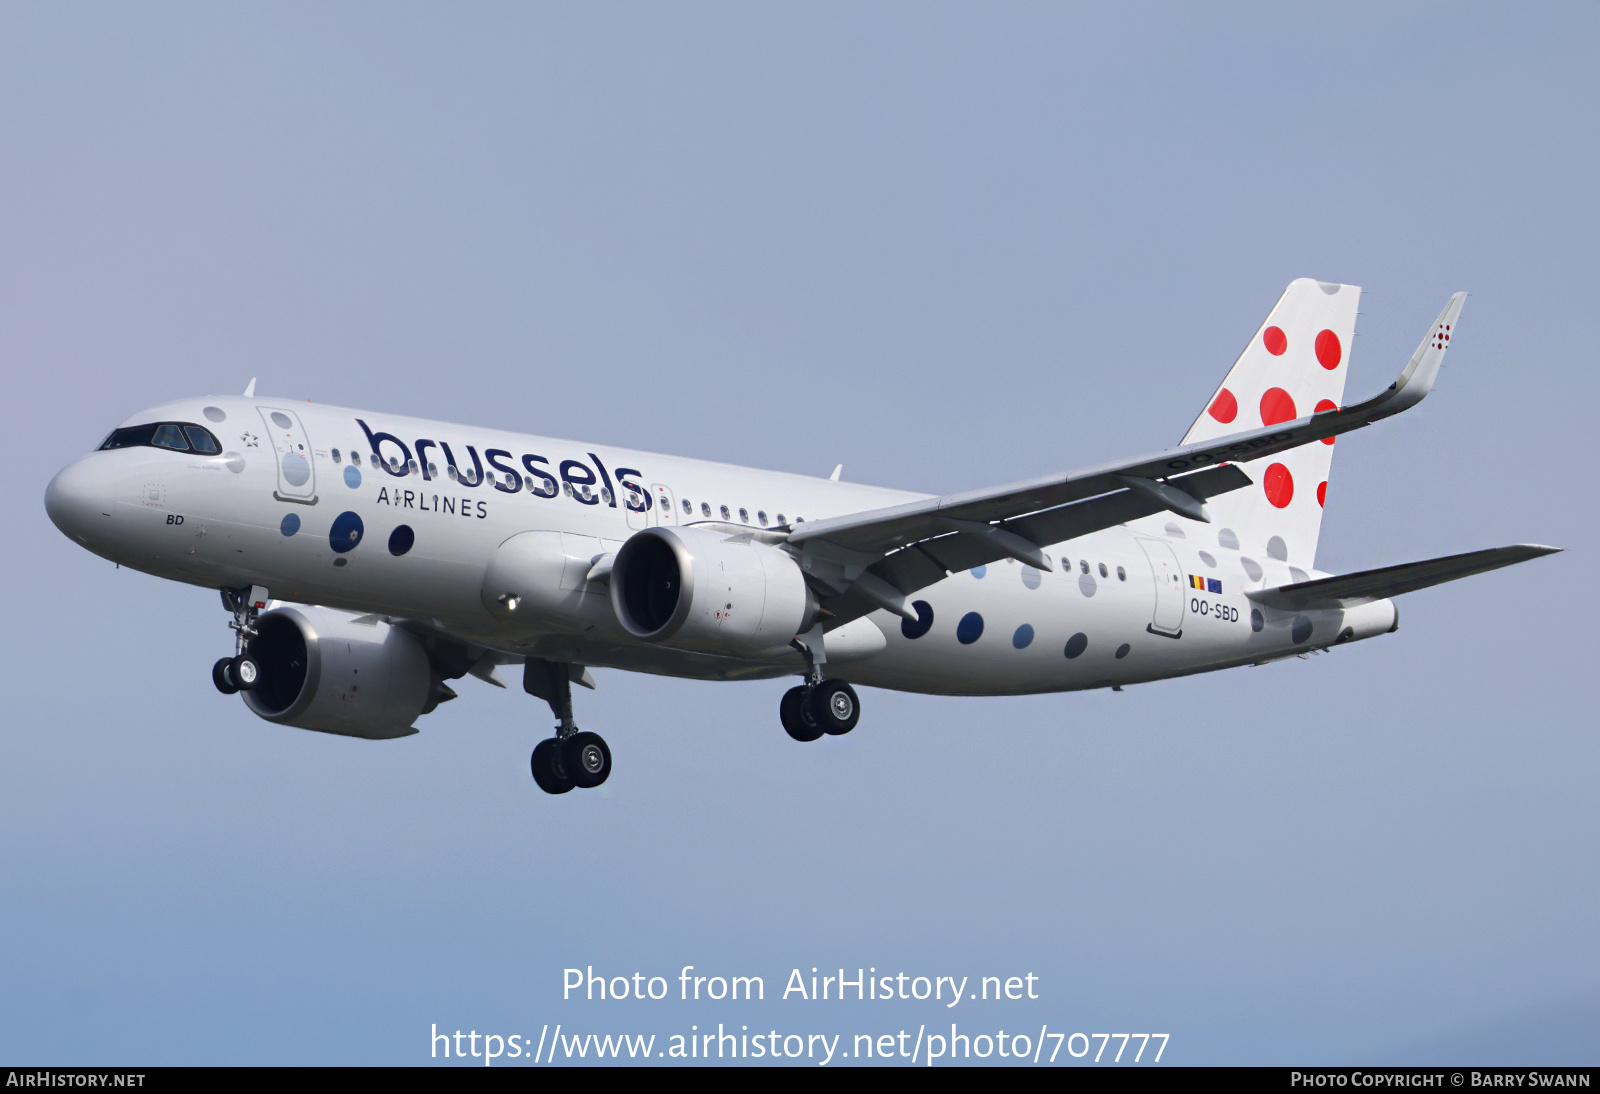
177	436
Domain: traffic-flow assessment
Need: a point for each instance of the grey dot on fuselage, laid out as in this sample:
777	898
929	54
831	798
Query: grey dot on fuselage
1329	287
1086	584
1278	549
1208	560
1122	651
296	469
1257	620
281	420
1297	574
1076	645
1226	537
1175	532
216	414
1252	568
1030	577
1301	630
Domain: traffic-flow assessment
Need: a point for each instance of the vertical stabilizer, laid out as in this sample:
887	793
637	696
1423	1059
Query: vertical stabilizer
1294	366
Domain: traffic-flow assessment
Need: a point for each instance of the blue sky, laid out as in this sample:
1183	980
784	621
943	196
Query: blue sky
946	246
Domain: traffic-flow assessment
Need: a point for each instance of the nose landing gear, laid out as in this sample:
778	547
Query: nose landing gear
241	672
573	757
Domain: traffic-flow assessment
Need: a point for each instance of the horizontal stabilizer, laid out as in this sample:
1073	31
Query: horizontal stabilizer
1349	590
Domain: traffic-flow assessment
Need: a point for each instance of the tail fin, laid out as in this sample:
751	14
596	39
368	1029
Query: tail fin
1294	366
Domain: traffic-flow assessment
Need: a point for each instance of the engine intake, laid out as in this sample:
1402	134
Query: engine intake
709	592
321	670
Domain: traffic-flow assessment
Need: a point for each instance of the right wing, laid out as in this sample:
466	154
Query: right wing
875	559
1349	590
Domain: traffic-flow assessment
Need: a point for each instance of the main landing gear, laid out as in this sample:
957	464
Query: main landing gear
818	706
573	757
241	672
809	711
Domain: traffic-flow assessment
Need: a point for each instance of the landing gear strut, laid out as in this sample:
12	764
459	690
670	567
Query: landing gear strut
818	706
241	672
573	757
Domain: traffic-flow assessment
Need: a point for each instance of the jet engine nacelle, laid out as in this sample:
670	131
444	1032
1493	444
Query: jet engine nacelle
710	592
322	670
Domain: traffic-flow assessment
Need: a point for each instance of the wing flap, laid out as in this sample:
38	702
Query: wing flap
1349	590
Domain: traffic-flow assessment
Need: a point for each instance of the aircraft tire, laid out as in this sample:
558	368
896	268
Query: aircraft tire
546	769
587	759
796	720
245	672
222	678
835	707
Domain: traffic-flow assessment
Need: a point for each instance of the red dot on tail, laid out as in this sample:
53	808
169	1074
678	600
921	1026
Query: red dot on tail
1224	408
1329	352
1322	407
1322	493
1279	485
1275	341
1276	406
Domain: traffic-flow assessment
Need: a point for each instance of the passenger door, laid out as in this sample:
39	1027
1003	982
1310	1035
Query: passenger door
1168	615
297	476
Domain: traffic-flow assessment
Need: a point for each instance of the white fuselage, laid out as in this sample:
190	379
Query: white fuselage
252	516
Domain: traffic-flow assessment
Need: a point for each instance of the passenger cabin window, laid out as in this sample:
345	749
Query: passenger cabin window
1103	571
781	520
744	516
688	507
705	509
761	515
174	436
1083	565
335	455
725	515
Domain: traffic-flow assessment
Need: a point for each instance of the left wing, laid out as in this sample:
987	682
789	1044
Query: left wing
875	559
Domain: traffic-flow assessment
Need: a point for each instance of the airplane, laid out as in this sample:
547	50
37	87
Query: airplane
367	560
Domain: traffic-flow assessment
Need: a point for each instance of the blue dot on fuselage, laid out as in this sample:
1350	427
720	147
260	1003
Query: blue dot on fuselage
352	477
1023	638
345	533
979	571
924	621
290	524
970	629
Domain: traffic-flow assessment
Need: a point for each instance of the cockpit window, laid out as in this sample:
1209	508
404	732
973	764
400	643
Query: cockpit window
202	441
177	436
132	437
169	436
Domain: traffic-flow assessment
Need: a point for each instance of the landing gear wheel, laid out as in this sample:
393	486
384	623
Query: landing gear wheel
547	771
834	707
797	721
244	671
221	677
586	759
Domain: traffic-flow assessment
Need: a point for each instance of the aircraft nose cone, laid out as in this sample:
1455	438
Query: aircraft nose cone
75	499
